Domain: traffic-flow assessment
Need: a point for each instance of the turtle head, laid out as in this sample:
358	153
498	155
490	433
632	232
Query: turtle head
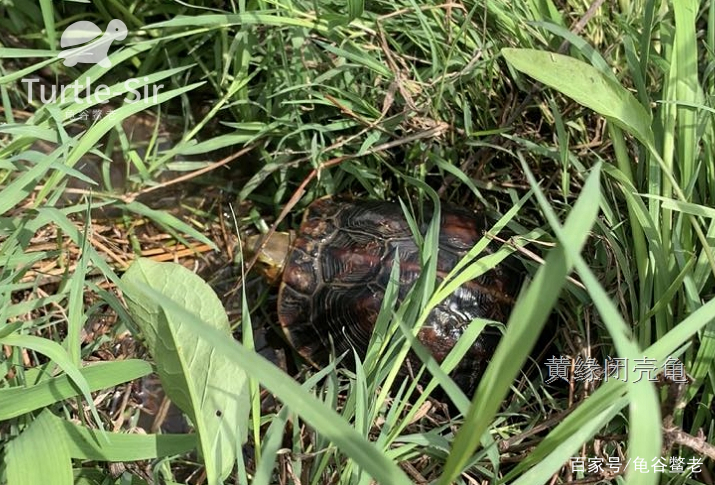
272	253
117	29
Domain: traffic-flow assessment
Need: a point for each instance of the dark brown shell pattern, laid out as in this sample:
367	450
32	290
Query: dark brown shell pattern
338	269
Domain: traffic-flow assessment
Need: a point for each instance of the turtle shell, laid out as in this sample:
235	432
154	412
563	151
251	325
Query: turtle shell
79	33
339	266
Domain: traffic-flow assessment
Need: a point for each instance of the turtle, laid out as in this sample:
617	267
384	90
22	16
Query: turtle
90	52
333	273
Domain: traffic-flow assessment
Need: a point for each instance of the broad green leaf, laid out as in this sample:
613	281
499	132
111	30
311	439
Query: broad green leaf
39	455
323	418
202	382
586	85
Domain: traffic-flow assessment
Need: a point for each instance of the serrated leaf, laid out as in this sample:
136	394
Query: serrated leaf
204	384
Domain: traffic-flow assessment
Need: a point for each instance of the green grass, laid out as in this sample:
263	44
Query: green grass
594	159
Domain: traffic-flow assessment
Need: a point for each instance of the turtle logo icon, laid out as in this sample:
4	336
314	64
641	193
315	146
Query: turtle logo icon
95	52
